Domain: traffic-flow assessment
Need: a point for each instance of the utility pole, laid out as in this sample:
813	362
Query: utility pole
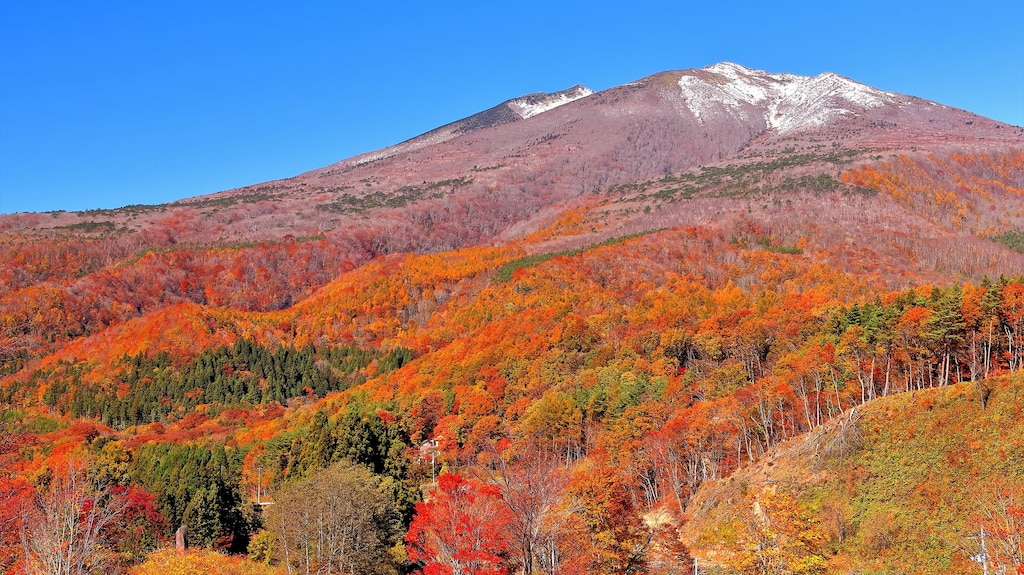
259	483
432	445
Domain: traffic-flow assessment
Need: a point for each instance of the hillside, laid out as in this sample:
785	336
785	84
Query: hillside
902	484
583	316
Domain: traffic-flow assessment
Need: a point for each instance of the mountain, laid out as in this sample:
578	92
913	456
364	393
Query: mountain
905	187
512	161
597	308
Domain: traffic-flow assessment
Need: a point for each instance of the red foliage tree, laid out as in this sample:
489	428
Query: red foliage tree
461	529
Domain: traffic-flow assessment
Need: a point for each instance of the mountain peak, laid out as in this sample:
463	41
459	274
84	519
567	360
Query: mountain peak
727	67
783	102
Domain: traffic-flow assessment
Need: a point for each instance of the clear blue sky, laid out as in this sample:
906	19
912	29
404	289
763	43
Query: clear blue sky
109	103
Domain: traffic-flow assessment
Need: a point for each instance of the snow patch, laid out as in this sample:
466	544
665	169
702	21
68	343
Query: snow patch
783	102
529	106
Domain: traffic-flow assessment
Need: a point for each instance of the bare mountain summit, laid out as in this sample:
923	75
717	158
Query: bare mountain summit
677	120
502	173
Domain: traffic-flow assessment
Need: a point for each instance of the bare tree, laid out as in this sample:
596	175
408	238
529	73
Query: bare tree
337	521
1001	531
63	528
533	486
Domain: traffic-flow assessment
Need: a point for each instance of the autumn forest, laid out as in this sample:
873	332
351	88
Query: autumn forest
804	357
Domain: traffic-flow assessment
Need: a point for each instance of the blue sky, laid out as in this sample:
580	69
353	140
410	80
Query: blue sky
109	103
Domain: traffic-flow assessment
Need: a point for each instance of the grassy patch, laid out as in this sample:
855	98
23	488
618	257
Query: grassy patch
348	203
741	179
89	227
765	242
822	183
506	271
228	201
130	210
1013	240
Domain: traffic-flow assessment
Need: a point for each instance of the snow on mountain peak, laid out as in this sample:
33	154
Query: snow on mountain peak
784	102
533	104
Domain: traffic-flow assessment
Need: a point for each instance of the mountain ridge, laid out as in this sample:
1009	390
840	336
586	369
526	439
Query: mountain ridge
509	111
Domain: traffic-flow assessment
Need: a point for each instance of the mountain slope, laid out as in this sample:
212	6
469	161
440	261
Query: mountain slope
507	112
902	484
823	162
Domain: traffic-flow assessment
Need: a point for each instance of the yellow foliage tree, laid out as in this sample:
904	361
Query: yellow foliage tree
782	538
172	562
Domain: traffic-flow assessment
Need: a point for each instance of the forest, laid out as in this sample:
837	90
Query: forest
561	403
